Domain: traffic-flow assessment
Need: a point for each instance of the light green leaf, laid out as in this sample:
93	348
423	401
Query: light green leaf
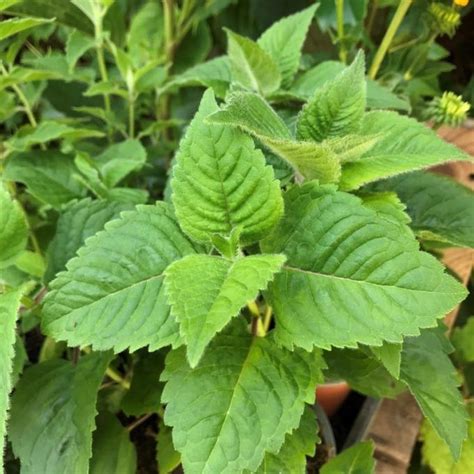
15	25
432	379
13	228
406	145
76	46
60	440
119	160
379	97
436	454
112	450
9	305
354	275
204	306
48	131
241	401
31	263
391	356
144	395
284	39
440	208
251	66
111	295
351	147
220	181
253	115
337	108
300	443
23	75
463	341
79	220
167	457
214	73
356	460
48	175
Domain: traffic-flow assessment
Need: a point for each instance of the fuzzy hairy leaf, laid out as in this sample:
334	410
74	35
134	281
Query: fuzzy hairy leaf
205	292
405	145
48	176
60	440
356	460
253	115
431	378
111	295
220	181
284	39
251	66
80	220
112	450
354	274
243	398
300	443
9	305
436	454
440	208
337	108
13	228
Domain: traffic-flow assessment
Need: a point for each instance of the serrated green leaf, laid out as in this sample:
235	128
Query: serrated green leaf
356	460
284	39
405	145
436	454
23	75
252	114
48	175
167	457
251	66
353	276
111	295
205	292
13	228
78	221
337	108
463	341
220	181
112	450
9	306
300	443
76	46
60	440
240	402
440	208
144	395
391	356
16	25
431	378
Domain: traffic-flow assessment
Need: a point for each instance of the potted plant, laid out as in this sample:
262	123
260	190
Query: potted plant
194	285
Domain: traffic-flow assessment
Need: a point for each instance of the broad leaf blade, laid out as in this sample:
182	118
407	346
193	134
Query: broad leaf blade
432	379
13	228
205	292
337	108
111	295
354	275
60	440
440	208
241	401
167	457
391	357
252	114
16	25
405	145
357	459
463	341
251	66
220	181
284	39
9	306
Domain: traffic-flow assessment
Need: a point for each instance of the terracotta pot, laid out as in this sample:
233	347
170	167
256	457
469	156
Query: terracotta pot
331	396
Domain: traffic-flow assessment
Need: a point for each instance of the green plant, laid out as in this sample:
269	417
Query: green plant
282	247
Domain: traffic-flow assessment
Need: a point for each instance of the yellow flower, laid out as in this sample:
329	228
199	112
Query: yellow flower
461	3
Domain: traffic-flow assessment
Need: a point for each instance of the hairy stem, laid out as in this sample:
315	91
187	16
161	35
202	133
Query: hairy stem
392	29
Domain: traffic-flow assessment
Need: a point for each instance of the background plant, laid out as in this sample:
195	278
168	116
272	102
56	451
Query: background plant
254	260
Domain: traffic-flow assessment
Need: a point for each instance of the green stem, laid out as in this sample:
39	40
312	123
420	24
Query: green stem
340	30
373	12
116	377
131	115
392	29
168	10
